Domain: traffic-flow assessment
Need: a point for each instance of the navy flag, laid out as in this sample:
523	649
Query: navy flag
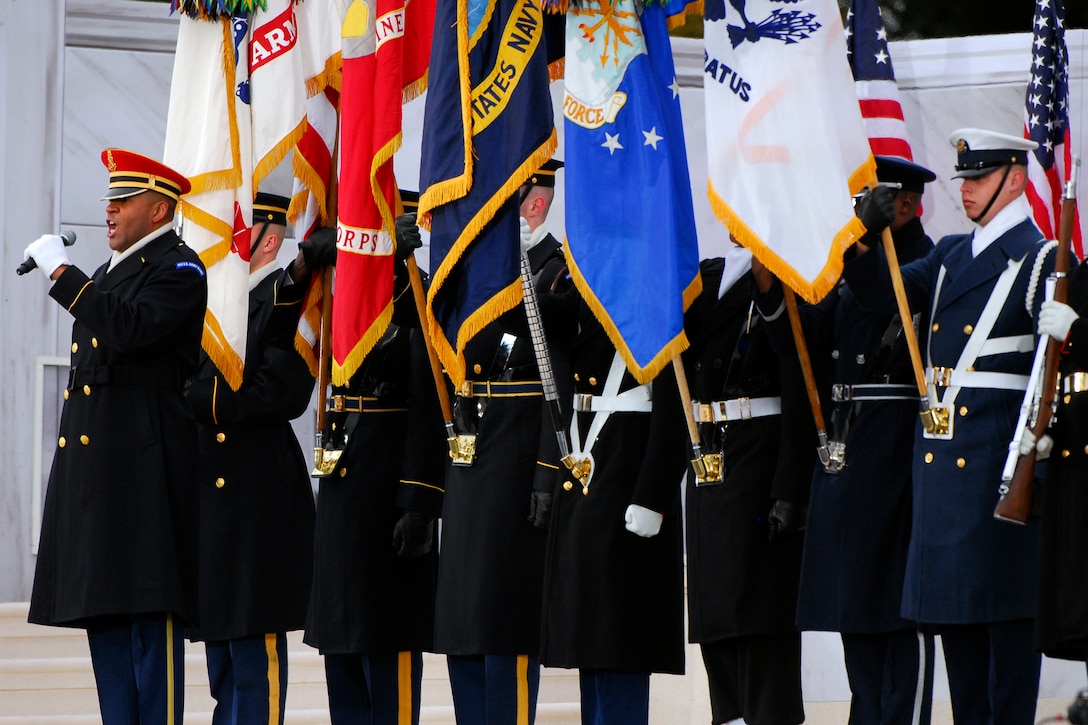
487	126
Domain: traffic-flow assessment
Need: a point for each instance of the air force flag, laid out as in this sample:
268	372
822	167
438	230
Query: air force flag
631	241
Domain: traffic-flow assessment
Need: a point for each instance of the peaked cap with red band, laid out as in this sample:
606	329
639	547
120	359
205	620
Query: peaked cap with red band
132	173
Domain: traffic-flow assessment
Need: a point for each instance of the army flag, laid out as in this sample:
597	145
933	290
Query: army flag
380	71
277	87
1046	121
631	240
487	126
208	138
786	145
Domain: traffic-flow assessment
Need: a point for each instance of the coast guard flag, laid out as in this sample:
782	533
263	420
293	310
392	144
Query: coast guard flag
785	141
631	241
1046	121
208	138
486	128
874	80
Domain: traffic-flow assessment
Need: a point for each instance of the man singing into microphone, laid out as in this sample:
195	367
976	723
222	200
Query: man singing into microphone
117	554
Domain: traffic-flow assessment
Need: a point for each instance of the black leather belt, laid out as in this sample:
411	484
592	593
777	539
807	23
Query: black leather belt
841	393
359	404
500	389
121	375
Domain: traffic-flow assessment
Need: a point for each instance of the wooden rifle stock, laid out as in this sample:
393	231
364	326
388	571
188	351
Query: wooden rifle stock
1014	505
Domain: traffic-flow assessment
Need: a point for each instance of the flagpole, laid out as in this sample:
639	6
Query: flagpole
325	461
822	448
705	469
432	355
928	415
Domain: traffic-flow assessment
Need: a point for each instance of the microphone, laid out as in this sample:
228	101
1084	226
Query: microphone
69	238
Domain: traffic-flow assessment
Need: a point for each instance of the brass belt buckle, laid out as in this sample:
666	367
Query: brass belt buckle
709	469
583	403
841	393
704	412
942	377
464	390
336	404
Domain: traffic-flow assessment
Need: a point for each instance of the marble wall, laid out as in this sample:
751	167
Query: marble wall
78	76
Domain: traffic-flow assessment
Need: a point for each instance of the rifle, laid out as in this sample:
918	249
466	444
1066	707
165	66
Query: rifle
1014	504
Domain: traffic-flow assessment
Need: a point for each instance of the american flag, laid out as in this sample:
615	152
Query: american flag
874	80
1046	120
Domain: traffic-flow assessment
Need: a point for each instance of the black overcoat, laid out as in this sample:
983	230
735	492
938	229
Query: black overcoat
365	598
614	600
119	530
492	568
740	582
1061	622
256	504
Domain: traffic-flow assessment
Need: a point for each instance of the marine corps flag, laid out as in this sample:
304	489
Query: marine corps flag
380	71
631	240
785	141
487	127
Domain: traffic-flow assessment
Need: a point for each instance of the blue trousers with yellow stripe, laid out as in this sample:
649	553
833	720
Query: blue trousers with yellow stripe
139	668
494	689
374	689
248	679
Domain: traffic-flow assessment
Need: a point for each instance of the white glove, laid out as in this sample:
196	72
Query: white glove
1042	447
526	235
48	252
642	521
1055	319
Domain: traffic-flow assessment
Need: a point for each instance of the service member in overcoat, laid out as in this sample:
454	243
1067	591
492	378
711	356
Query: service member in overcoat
372	601
256	504
971	577
859	515
613	573
744	525
118	548
496	508
1061	624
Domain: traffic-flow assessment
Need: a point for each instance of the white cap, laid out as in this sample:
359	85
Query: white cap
980	151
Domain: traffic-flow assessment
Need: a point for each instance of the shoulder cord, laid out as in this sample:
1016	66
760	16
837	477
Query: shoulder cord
1036	270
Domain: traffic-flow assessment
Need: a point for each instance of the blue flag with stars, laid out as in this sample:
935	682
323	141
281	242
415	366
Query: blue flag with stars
631	239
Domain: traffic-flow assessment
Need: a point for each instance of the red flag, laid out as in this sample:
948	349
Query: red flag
380	69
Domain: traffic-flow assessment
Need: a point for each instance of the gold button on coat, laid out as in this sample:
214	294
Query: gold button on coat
929	458
220	437
86	389
1065	454
343	472
592	380
936	326
219	483
968	329
1067	398
576	377
75	346
567	485
84	439
963	410
62	442
94	342
961	462
66	393
477	368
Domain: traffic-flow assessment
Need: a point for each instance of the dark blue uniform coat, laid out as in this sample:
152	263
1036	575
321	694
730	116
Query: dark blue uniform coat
859	519
119	532
963	565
